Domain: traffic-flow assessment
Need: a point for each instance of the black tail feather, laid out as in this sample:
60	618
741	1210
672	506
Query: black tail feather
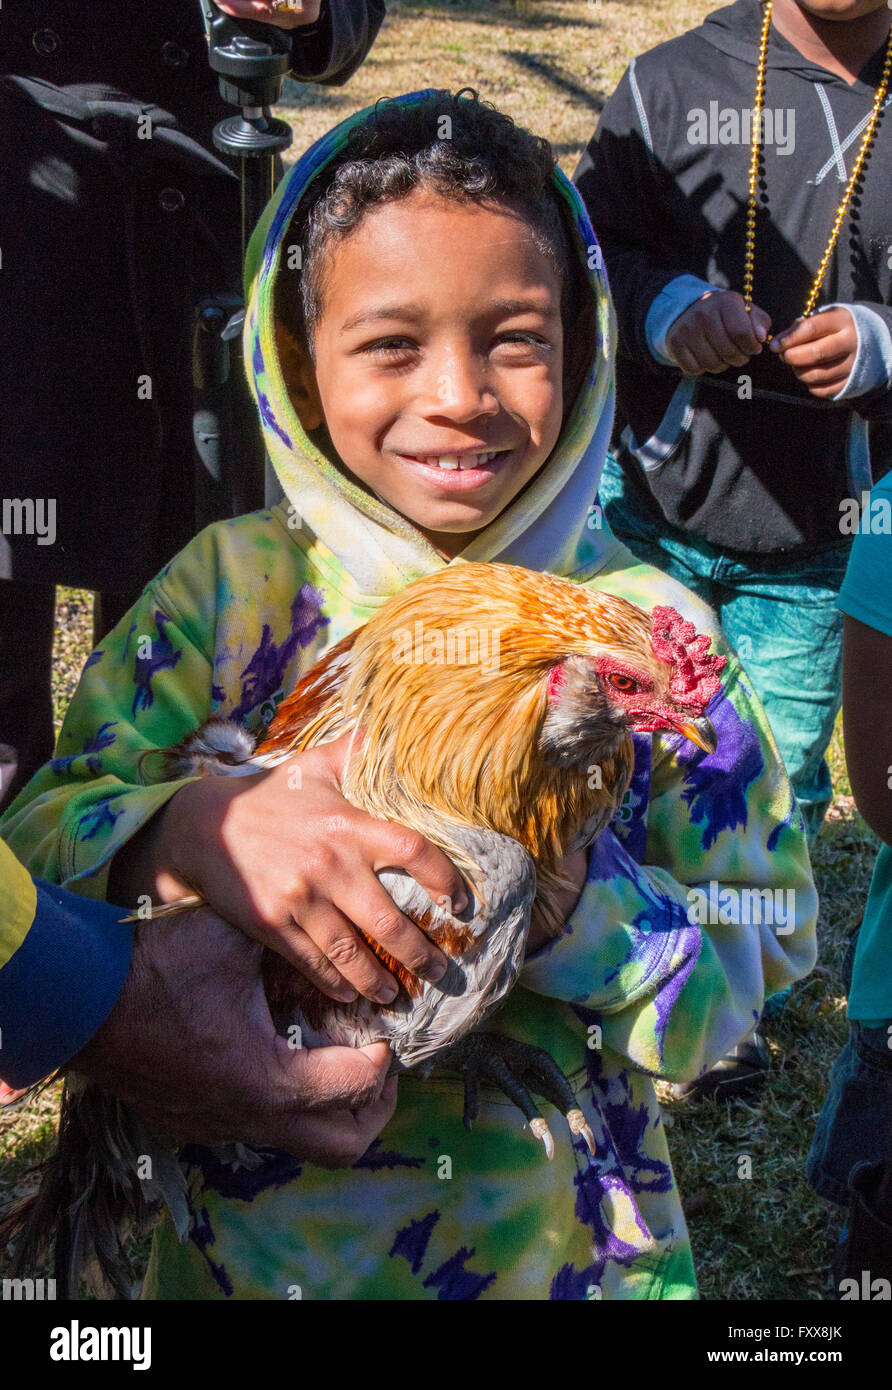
106	1179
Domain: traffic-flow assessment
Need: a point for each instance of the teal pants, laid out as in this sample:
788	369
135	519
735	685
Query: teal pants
780	616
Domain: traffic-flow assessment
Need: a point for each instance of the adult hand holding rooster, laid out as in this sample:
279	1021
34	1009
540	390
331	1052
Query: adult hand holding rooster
190	1044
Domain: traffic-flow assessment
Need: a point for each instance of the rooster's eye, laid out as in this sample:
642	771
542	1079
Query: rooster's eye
625	684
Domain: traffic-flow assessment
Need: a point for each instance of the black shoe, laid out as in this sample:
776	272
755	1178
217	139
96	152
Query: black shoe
742	1072
863	1259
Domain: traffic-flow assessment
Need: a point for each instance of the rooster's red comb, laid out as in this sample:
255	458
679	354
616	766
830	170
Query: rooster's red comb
696	676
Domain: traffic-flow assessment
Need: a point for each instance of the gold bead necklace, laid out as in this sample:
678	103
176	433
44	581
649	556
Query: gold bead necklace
754	167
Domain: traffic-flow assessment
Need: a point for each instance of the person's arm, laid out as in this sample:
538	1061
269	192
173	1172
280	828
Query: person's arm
622	182
63	960
191	1046
638	212
83	806
695	910
867	668
342	37
330	38
867	721
141	1012
843	352
870	379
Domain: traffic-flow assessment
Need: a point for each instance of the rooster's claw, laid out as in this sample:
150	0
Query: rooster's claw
516	1068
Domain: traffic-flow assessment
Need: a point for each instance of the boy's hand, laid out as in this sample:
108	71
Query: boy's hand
575	868
299	12
282	855
716	332
821	350
191	1046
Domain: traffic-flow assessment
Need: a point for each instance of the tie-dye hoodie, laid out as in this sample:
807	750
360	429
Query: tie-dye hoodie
651	978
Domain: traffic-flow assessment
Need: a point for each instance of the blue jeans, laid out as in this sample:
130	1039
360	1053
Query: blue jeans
780	615
855	1124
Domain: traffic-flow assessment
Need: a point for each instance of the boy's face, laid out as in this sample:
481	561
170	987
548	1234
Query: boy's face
438	361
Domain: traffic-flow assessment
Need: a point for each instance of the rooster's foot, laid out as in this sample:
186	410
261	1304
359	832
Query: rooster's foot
516	1068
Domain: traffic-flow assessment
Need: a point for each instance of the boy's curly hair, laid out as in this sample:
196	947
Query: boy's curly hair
463	149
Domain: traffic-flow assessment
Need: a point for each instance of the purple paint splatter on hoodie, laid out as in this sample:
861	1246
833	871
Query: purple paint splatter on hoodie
456	1282
266	412
262	676
412	1241
630	822
376	1158
99	817
276	1170
201	1233
162	657
93	744
715	784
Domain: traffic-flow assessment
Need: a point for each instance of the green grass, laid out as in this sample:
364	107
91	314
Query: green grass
551	65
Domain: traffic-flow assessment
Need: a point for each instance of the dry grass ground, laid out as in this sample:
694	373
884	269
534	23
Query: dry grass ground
552	65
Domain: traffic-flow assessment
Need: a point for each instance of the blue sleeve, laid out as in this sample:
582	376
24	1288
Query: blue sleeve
872	367
331	50
59	986
669	304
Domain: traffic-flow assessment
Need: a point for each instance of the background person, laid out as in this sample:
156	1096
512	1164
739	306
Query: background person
851	1154
109	242
732	458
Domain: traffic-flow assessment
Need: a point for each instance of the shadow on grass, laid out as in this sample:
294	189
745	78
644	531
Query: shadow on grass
545	67
525	15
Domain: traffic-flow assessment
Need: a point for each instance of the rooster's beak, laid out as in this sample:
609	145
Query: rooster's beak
700	731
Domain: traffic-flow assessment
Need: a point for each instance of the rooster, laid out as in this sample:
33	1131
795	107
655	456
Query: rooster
496	708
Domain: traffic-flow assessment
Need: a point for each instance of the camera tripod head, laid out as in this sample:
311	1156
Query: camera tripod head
251	61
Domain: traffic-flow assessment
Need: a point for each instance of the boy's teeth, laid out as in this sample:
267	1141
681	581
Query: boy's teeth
452	461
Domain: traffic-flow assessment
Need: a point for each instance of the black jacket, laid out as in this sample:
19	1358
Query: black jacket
767	474
109	241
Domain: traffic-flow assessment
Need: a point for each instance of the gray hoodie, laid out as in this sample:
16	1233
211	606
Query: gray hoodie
747	460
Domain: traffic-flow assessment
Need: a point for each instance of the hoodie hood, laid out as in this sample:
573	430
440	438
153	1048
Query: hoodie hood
546	528
736	30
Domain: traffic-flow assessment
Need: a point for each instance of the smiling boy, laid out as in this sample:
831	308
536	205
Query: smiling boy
455	465
448	311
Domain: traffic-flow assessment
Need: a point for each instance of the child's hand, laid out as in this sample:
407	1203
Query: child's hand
821	350
283	856
575	868
299	12
716	332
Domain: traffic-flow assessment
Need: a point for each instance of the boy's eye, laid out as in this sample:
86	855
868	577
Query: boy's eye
393	347
518	341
